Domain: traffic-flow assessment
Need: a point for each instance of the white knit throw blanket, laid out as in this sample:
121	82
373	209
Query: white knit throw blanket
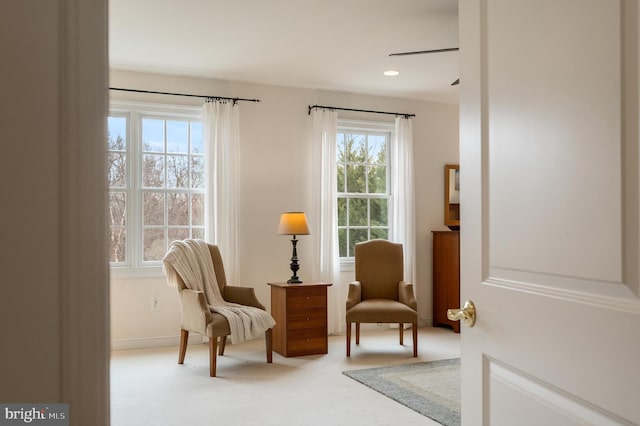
191	260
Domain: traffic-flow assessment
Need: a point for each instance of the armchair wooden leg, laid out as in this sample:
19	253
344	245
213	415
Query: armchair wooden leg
401	328
357	333
268	336
348	339
414	329
223	344
213	346
184	338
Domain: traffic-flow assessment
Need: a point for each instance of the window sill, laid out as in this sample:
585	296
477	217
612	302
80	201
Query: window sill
347	265
121	272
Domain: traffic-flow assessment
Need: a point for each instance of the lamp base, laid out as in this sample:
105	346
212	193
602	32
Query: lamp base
294	264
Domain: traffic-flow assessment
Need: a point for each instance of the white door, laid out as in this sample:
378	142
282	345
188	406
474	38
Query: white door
550	211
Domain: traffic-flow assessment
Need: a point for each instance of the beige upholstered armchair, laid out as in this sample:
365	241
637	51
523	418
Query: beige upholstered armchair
196	315
379	294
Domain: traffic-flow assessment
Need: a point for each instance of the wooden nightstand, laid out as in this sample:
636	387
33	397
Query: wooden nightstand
300	311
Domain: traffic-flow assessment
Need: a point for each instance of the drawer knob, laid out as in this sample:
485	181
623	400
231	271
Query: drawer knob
307	297
307	318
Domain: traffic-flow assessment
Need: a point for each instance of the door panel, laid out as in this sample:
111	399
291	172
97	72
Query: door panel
549	185
538	161
528	398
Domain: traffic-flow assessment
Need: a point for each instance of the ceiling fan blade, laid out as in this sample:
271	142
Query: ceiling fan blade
455	83
420	52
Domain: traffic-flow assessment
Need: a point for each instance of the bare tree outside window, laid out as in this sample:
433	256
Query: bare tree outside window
117	169
170	167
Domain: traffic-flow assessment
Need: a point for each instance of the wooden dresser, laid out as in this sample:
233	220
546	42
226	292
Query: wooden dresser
446	277
300	311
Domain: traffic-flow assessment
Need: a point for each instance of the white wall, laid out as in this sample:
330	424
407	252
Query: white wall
275	157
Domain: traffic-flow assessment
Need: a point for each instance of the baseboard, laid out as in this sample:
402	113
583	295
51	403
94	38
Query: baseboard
422	322
152	342
196	339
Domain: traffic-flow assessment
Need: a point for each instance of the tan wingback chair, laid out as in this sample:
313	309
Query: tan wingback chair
379	294
197	317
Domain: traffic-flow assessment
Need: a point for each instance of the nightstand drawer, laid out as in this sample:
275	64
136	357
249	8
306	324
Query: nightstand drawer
306	318
307	341
314	346
307	298
307	333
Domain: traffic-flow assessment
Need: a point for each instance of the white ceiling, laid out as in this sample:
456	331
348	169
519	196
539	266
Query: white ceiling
340	45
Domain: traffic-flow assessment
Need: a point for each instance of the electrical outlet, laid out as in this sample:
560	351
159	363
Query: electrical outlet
155	303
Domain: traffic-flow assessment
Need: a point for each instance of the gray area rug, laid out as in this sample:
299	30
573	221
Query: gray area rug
430	388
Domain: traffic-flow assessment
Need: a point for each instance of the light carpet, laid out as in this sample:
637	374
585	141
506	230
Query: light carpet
149	387
430	388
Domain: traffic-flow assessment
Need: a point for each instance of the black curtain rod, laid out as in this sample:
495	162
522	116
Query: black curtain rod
361	110
185	94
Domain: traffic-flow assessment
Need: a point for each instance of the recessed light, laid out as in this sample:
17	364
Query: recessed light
391	73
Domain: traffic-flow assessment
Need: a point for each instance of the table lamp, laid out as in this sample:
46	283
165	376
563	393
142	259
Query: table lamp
293	223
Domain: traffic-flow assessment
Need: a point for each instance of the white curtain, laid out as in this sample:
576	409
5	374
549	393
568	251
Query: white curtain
324	216
222	145
402	191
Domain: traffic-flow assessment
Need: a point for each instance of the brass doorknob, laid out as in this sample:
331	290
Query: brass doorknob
467	313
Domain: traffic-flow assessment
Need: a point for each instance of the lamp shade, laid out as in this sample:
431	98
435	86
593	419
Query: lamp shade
293	223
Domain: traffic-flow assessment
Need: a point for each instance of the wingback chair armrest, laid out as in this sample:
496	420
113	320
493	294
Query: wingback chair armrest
195	312
242	295
406	296
355	294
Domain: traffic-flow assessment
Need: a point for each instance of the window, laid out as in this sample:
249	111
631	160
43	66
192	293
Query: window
156	181
117	168
363	194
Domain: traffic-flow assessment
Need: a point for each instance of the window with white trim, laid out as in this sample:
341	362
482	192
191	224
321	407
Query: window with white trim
363	194
156	181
